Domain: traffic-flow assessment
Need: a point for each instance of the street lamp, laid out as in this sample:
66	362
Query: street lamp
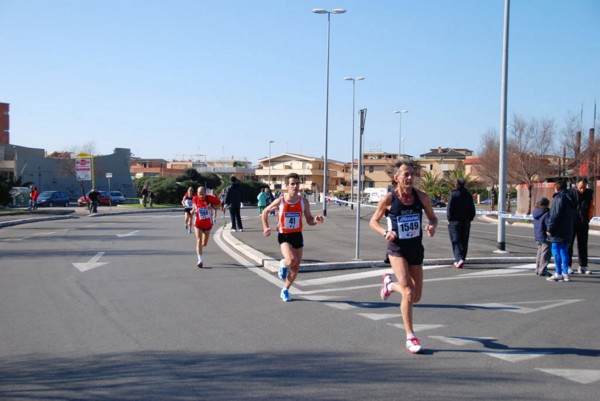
270	142
322	11
400	140
352	159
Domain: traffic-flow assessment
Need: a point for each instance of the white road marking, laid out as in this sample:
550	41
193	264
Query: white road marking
379	316
461	341
91	264
516	356
355	276
583	376
516	308
129	234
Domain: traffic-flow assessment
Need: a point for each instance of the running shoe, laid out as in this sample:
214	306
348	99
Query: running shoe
566	277
582	270
460	264
555	277
384	292
283	271
414	346
285	295
199	264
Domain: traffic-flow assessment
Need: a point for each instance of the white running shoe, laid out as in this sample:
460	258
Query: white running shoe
282	271
414	346
384	292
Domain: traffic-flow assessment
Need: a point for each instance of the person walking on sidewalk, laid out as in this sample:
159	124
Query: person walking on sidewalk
460	212
540	227
203	220
584	197
405	206
291	207
561	223
233	199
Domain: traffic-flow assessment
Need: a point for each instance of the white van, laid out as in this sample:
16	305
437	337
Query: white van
375	194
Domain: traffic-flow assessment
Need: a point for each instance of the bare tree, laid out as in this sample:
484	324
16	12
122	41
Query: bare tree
489	159
529	146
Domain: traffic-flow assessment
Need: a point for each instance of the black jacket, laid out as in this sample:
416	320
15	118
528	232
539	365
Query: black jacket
234	195
460	205
563	213
584	202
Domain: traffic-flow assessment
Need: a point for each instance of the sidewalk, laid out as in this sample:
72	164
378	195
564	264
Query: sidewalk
332	245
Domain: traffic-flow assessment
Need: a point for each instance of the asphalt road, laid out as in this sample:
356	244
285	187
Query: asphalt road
113	308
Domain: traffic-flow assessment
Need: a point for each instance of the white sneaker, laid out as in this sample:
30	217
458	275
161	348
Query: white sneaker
384	292
566	277
414	346
555	277
570	271
582	270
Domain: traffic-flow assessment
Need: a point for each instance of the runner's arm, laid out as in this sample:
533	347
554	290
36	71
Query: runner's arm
382	206
265	216
310	219
433	221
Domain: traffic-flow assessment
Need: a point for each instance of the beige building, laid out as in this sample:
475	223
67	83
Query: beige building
273	170
441	161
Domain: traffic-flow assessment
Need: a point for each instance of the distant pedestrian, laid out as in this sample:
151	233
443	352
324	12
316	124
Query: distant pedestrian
291	207
93	197
203	220
541	214
188	208
144	195
585	211
234	204
33	197
561	224
460	212
405	206
151	197
263	200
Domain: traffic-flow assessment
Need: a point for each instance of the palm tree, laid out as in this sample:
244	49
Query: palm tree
432	184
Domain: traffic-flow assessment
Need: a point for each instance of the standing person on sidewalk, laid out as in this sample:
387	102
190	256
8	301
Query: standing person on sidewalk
584	197
94	195
460	212
263	200
405	206
34	196
291	207
561	223
203	220
233	200
540	227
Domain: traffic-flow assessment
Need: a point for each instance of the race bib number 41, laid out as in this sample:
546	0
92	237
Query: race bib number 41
291	220
409	226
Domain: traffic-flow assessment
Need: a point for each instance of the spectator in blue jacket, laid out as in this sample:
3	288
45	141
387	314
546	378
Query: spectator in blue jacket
540	227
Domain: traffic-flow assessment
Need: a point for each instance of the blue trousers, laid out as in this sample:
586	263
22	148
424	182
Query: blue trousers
560	251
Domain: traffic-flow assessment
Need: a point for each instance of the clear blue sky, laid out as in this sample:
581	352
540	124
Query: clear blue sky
224	77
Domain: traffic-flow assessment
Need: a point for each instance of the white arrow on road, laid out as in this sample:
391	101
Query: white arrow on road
129	234
92	264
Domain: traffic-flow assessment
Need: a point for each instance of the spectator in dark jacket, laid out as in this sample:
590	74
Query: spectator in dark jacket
584	197
460	212
561	224
234	204
540	227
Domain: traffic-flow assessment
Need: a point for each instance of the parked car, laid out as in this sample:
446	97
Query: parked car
117	197
103	199
437	203
485	202
53	198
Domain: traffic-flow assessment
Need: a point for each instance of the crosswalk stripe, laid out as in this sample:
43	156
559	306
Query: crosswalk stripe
583	376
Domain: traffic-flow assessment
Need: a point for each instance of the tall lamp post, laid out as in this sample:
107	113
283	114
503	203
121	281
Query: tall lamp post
323	11
352	159
400	140
270	143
